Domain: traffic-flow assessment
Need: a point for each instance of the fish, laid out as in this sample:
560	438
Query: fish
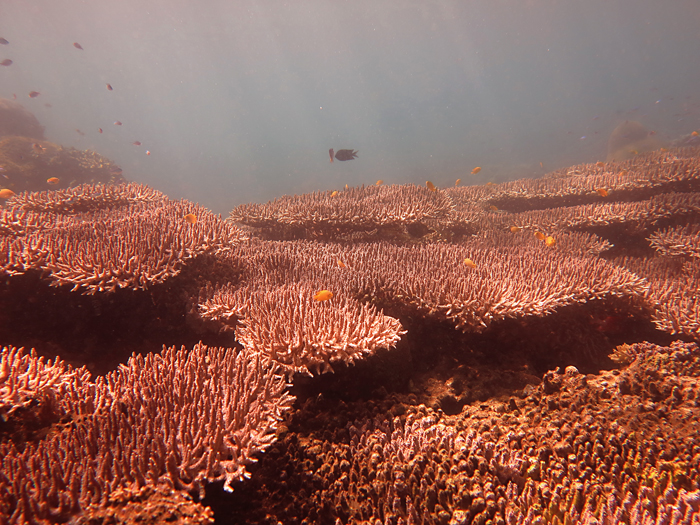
334	193
77	46
346	154
515	229
79	132
38	148
550	241
136	143
117	123
341	264
493	207
52	180
34	94
623	173
600	164
602	192
331	153
379	182
6	62
323	295
148	152
190	218
3	41
116	170
109	87
6	193
457	182
347	187
693	134
99	130
540	236
476	170
469	263
430	185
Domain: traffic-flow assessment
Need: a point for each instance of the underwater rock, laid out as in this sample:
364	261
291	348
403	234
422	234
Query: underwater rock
16	120
629	139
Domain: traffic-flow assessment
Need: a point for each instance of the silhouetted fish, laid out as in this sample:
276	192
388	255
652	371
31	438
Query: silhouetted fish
345	154
6	62
77	46
3	41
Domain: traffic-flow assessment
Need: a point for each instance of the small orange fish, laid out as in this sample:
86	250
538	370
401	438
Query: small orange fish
109	87
622	173
148	152
493	208
6	193
602	192
457	182
550	241
634	152
347	187
6	62
469	263
341	264
52	180
430	185
99	130
77	46
540	236
190	218
379	182
136	143
117	123
663	149
476	170
38	148
541	165
600	164
323	295
331	153
34	94
515	229
334	193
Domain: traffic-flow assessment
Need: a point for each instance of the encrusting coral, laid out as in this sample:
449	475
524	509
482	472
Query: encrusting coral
618	447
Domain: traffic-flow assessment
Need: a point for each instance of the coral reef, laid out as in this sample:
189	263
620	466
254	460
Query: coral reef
178	420
521	353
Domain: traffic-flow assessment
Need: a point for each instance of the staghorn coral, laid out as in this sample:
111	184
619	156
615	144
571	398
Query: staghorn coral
611	448
301	334
515	276
639	191
86	197
129	237
362	209
176	420
29	381
671	292
678	241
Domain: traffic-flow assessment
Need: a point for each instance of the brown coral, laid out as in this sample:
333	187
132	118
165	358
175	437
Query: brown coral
31	165
610	448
